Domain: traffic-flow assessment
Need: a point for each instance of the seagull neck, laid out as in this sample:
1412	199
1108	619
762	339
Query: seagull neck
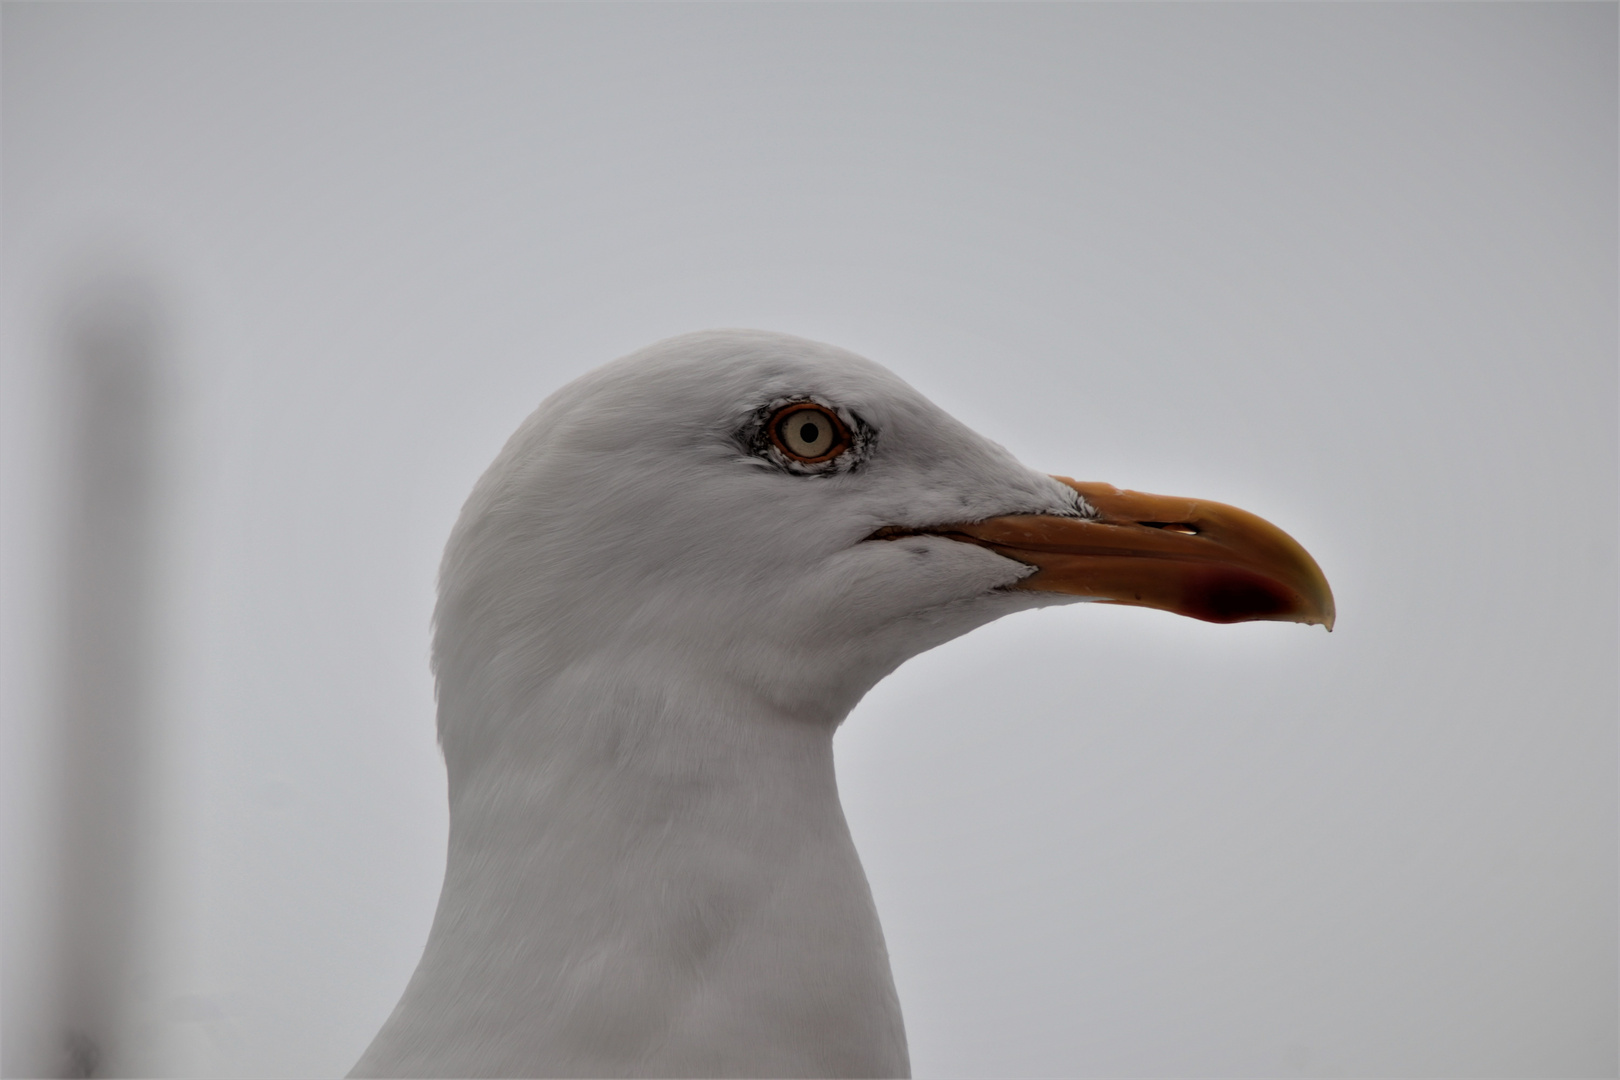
627	771
651	884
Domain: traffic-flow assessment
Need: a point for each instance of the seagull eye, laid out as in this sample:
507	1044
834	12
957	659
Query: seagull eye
809	433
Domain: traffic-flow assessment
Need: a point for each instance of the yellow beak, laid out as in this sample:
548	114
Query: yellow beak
1203	559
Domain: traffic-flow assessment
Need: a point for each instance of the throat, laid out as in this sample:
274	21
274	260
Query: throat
673	893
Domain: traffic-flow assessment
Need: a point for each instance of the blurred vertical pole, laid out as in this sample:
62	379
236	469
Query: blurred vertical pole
105	720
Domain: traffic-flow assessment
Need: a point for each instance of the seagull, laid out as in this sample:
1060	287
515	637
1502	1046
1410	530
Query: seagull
657	606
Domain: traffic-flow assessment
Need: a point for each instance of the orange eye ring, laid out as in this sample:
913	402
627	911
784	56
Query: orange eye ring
808	433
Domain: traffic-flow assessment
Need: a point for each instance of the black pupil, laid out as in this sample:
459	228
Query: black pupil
809	433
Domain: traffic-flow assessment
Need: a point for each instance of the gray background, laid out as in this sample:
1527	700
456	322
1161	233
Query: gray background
1353	268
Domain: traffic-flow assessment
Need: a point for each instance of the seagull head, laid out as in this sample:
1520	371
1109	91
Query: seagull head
742	513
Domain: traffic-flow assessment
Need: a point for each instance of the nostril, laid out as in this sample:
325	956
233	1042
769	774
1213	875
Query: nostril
1183	527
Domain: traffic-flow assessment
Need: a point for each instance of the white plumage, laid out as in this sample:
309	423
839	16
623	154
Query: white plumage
652	618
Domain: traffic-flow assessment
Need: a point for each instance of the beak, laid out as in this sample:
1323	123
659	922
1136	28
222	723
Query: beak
1197	558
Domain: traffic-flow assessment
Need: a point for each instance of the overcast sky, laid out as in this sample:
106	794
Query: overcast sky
1350	267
